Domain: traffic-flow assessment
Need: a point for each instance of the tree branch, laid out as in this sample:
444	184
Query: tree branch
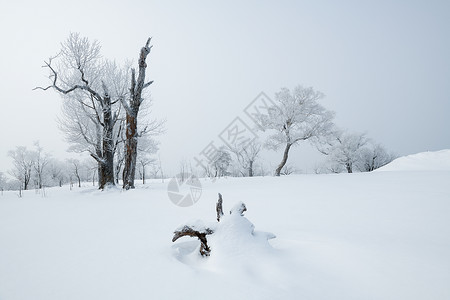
201	235
73	88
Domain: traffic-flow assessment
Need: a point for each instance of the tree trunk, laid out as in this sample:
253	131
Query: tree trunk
250	169
143	174
107	163
26	180
40	179
129	169
132	110
349	168
284	160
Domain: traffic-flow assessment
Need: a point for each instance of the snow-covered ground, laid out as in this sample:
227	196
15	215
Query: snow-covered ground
379	235
425	161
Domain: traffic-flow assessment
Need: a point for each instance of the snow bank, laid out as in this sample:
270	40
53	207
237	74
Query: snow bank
424	161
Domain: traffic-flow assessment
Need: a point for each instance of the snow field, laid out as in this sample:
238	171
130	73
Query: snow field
379	235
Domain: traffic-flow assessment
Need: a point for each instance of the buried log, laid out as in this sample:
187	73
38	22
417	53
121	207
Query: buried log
200	231
200	234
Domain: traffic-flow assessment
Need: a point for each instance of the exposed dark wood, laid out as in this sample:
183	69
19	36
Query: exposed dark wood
201	235
132	110
200	231
219	209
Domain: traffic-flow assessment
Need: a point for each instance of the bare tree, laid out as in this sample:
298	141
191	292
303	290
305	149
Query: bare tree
218	165
132	106
246	155
329	167
57	172
207	170
76	169
288	170
221	162
79	74
147	147
297	116
143	163
41	160
154	170
23	165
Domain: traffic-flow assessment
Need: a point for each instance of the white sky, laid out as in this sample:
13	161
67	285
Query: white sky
383	65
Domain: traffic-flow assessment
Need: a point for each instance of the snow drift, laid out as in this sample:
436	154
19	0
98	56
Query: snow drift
424	161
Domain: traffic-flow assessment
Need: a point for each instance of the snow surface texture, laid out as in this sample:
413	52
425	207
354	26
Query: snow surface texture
379	235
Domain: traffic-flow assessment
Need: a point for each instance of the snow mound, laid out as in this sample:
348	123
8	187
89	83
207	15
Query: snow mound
424	161
235	236
231	242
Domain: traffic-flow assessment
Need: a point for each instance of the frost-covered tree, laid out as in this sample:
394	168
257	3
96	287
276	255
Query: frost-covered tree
3	182
41	160
57	171
374	157
246	155
346	149
95	86
288	169
329	167
296	116
75	170
84	133
221	162
22	165
146	149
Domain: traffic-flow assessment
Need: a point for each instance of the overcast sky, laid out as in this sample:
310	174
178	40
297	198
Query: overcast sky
384	66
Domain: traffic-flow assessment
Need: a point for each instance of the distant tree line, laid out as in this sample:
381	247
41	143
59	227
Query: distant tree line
296	117
37	169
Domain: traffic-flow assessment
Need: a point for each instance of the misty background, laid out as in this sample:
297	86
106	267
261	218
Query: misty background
383	66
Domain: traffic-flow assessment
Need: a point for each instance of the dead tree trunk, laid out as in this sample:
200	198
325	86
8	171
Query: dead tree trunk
219	208
129	170
132	110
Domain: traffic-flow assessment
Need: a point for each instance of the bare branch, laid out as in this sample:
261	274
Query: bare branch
147	84
200	234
